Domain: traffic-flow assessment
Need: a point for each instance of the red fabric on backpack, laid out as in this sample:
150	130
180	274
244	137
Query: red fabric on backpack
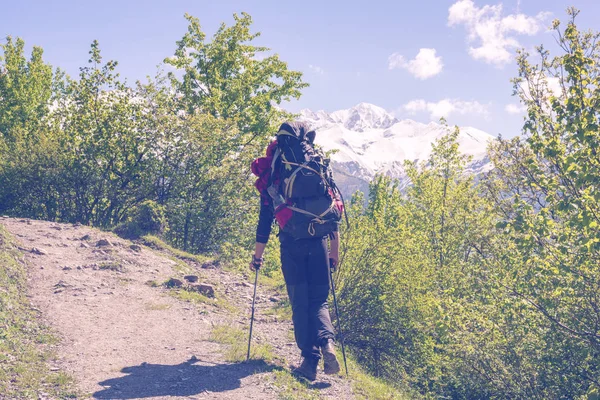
271	148
339	204
261	167
283	215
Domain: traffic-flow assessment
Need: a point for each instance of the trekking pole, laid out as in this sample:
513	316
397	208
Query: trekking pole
252	317
337	313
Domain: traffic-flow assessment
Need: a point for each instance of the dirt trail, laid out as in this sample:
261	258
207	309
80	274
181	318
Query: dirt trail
121	338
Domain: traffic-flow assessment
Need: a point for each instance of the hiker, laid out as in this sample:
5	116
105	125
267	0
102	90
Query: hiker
298	191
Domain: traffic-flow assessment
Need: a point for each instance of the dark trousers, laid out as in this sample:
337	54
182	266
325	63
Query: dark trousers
305	266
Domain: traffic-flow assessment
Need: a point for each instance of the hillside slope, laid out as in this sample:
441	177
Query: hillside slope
124	336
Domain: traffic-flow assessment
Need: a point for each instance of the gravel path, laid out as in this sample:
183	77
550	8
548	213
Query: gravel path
122	338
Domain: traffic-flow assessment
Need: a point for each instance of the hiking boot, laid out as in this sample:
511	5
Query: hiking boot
308	369
330	363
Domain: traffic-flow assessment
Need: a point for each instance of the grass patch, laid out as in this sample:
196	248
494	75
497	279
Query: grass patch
364	385
62	379
24	372
290	336
199	298
236	340
157	307
182	268
368	387
125	281
282	310
180	257
157	243
235	258
111	266
154	242
275	283
290	388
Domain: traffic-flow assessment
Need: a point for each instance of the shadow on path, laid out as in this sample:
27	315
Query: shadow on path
185	379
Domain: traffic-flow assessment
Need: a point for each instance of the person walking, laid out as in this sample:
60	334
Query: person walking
309	238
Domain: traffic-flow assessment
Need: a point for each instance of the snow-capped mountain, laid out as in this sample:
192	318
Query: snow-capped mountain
372	141
359	118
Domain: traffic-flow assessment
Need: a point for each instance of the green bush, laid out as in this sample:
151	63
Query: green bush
144	219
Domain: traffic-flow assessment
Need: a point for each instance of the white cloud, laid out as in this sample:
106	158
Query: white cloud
446	107
543	85
493	34
425	65
396	61
540	89
316	69
515	108
554	86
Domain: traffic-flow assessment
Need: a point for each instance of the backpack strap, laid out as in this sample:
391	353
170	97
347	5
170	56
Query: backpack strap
317	219
343	204
275	158
305	166
290	185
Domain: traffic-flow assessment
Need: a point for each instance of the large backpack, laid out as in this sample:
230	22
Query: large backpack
307	202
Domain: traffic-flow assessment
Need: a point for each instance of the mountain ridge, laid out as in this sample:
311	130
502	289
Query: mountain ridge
371	141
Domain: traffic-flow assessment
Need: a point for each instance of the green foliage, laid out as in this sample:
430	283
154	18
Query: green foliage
489	290
368	387
208	199
419	294
25	90
291	388
89	160
148	218
228	97
545	187
94	149
27	149
157	243
456	289
236	340
228	78
109	142
111	266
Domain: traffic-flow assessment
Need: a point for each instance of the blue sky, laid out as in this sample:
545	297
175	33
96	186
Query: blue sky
417	59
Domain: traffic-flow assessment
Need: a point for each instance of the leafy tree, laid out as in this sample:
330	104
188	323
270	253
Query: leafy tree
148	218
89	149
413	271
88	160
229	78
25	89
108	144
546	189
228	96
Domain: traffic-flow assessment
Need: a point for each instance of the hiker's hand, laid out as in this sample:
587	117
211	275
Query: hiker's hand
333	261
256	263
334	251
